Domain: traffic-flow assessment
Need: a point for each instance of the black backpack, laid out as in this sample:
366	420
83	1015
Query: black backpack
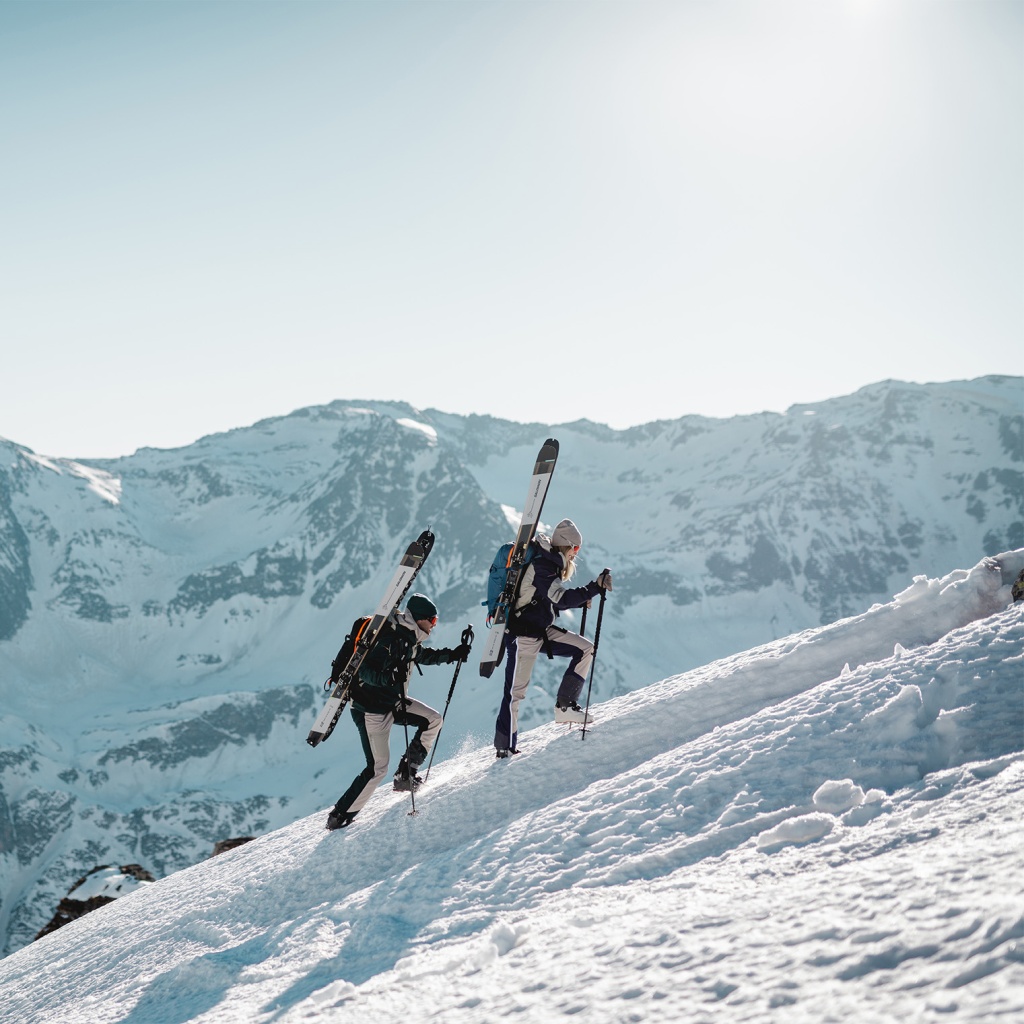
348	647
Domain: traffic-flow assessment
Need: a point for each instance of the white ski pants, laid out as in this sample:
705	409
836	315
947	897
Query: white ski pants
374	732
522	656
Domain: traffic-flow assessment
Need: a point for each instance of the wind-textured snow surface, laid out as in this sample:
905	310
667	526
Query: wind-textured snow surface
774	836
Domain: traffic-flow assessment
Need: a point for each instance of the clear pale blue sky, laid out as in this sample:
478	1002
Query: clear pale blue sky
215	212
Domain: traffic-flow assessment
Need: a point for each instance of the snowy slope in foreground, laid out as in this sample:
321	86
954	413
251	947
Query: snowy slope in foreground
773	836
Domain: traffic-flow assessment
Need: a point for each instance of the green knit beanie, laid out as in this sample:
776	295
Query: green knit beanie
421	607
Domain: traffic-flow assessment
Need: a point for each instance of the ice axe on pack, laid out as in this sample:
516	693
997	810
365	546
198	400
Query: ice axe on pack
467	640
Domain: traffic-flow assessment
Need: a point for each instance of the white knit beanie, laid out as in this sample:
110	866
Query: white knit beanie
565	535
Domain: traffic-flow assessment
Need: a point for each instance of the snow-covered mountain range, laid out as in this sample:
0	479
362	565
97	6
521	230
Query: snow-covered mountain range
825	828
166	619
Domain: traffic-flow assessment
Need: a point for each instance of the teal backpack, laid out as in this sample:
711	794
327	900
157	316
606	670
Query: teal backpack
498	574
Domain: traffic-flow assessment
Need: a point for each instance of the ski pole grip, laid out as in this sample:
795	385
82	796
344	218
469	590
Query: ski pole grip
467	636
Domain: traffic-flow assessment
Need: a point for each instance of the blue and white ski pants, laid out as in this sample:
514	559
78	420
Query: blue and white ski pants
521	654
374	731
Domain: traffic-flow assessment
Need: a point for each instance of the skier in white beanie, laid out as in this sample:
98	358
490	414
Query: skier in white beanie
542	594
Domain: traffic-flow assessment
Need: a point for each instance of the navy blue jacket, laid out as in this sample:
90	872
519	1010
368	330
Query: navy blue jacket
542	592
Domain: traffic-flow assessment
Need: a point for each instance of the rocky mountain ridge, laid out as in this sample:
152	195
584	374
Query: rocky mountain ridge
166	619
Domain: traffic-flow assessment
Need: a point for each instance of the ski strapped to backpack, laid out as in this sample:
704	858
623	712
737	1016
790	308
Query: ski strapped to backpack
498	575
362	639
347	650
494	648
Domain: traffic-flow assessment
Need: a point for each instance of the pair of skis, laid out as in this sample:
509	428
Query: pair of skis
494	649
411	563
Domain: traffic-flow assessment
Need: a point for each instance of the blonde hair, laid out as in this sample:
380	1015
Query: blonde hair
569	551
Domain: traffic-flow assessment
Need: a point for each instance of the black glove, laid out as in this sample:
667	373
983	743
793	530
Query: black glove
604	581
460	653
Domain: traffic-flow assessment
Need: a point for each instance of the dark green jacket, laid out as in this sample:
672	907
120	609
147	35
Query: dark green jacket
384	675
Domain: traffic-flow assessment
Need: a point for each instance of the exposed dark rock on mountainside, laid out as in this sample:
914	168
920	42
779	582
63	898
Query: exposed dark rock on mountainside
167	619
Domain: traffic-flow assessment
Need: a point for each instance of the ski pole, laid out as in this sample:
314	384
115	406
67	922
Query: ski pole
408	764
593	662
583	620
467	639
